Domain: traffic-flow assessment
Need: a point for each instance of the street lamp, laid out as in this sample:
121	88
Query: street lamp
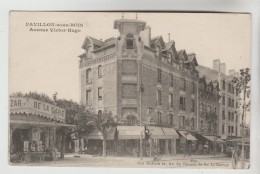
55	125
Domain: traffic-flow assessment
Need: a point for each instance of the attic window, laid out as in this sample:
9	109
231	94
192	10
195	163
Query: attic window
130	41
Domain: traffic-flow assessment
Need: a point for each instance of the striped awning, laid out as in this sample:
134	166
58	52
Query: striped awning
130	132
163	133
212	138
98	135
187	135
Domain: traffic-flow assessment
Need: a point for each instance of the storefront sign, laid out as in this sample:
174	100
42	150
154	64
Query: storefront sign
33	106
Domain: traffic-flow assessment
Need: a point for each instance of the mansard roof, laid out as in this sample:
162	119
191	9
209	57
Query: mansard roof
182	54
192	58
91	41
158	40
168	45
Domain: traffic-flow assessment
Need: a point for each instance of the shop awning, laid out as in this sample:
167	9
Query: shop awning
163	133
98	135
211	138
187	135
129	132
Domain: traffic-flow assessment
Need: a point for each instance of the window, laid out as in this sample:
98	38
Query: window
232	129
192	106
223	84
100	93
182	103
223	114
229	130
233	103
159	75
193	88
181	122
223	99
171	119
229	102
129	41
88	97
159	97
100	71
183	84
99	112
223	129
171	80
159	121
88	76
171	100
192	122
237	92
229	87
170	58
236	131
229	116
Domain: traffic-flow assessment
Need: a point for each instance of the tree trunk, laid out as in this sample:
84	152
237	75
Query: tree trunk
62	145
104	147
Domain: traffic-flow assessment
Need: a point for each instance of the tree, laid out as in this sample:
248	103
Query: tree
102	122
242	84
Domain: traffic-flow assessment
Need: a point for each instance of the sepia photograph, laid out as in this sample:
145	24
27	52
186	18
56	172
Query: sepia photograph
129	89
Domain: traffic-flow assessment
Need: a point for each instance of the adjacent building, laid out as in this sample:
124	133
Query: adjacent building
229	120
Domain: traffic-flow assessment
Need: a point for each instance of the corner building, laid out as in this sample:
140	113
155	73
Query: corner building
134	75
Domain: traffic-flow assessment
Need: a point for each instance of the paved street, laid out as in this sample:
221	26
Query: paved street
178	161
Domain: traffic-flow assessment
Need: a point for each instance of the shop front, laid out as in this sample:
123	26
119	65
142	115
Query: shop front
128	140
187	143
163	140
36	130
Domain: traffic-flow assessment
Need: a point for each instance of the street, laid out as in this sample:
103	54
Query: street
177	161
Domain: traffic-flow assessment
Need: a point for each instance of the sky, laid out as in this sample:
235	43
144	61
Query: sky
47	62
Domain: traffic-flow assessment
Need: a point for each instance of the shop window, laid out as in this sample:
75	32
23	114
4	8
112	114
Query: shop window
130	41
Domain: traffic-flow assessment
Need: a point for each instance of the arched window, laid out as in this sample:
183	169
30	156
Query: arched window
129	41
88	76
99	71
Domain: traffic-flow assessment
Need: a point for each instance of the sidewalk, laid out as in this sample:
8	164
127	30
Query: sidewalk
161	158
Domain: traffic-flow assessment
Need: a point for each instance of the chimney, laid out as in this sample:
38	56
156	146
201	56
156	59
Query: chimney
231	72
216	65
146	36
223	68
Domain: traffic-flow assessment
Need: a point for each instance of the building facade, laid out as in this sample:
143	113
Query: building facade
138	77
229	120
209	113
